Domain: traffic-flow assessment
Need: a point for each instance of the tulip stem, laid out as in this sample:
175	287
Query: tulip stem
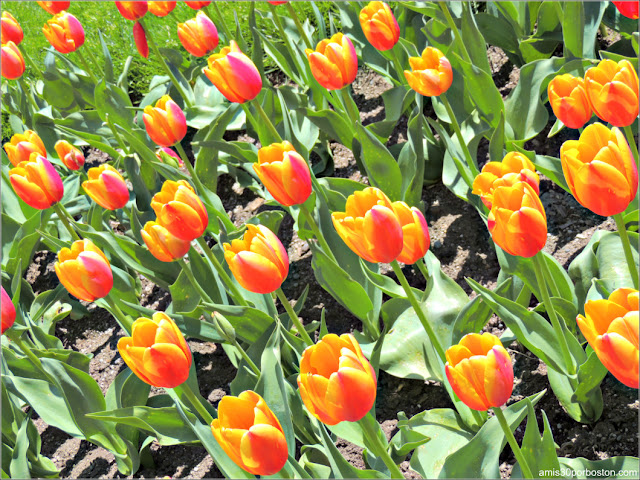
196	402
32	65
16	338
352	110
124	320
456	128
632	142
116	134
526	471
296	20
423	270
246	357
186	268
223	24
626	246
373	441
293	316
95	62
316	231
86	66
456	32
398	65
62	215
263	116
189	167
27	93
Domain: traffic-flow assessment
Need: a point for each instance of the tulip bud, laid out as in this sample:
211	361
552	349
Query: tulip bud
249	432
8	311
167	155
12	61
234	74
140	39
430	74
284	172
612	90
415	233
54	7
258	261
224	327
64	32
276	3
11	30
198	35
336	380
479	371
161	9
156	351
369	226
629	9
106	187
600	170
197	5
70	155
22	145
180	211
84	271
162	244
165	123
611	328
379	25
132	10
36	182
568	99
334	63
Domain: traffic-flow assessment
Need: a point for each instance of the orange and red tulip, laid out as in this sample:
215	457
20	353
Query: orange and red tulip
132	10
479	371
628	8
430	74
277	2
197	5
258	260
140	39
161	9
415	233
37	182
11	30
64	32
22	145
162	244
234	74
198	35
600	170
369	226
106	187
11	61
156	351
84	271
284	172
250	433
54	7
336	380
568	99
71	156
611	328
166	124
334	62
379	25
612	90
179	210
8	311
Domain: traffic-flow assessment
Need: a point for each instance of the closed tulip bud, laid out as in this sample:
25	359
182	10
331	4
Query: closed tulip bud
84	271
22	145
234	74
140	39
70	155
568	99
612	90
223	327
415	233
430	74
132	10
106	187
156	351
479	371
11	30
54	7
629	9
12	61
249	432
167	155
8	311
336	380
180	211
36	182
334	62
369	226
258	261
197	5
600	170
161	9
284	172
162	244
165	123
379	25
199	35
517	221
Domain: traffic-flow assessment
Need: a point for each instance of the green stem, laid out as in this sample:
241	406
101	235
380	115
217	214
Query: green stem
16	338
626	246
316	231
29	60
27	92
125	321
632	143
246	357
250	118
398	66
124	146
456	32
526	471
352	110
223	24
423	270
301	30
189	167
292	315
186	268
373	441
267	121
456	128
95	62
196	403
235	293
62	215
86	66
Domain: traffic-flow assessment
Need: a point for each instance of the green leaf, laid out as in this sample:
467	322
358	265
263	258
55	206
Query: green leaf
539	451
619	467
111	103
382	169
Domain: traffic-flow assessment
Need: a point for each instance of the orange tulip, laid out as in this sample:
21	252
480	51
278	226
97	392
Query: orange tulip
430	74
629	9
568	99
197	5
12	61
54	7
517	221
84	271
249	432
198	35
161	9
132	10
156	351
140	39
612	90
611	328
162	244
284	172
11	30
334	63
600	170
336	380
480	372
415	233
106	187
258	261
277	2
180	211
8	311
165	123
234	74
379	25
36	182
22	145
64	32
70	155
369	226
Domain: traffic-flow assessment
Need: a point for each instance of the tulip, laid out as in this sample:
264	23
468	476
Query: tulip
568	99
22	145
64	32
258	261
199	35
179	210
165	123
379	25
517	220
70	155
415	233
276	3
54	7
600	170
36	182
132	10
106	187
161	9
174	156
611	328
8	311
336	380
84	271
156	351
249	432
628	9
197	5
612	90
12	61
11	30
430	74
162	244
369	226
140	39
284	172
334	63
234	74
480	372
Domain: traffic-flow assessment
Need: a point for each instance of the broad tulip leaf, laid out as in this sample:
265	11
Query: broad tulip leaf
111	103
539	451
579	28
19	465
624	466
